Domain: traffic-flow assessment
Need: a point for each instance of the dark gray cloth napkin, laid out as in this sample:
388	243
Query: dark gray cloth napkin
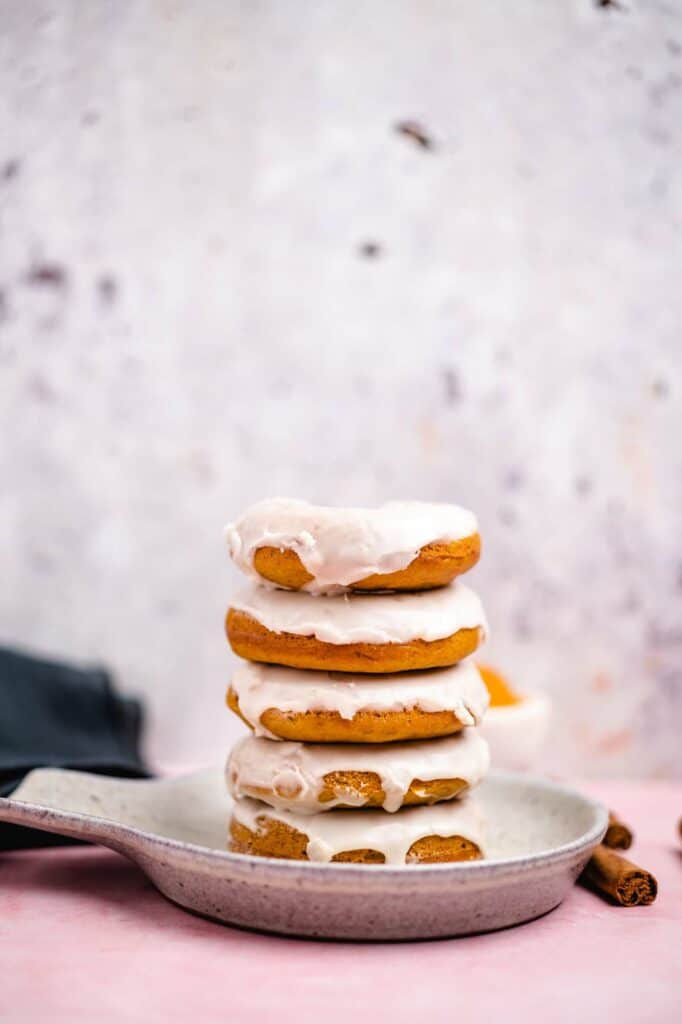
57	715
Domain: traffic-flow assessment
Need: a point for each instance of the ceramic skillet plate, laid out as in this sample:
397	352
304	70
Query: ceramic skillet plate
539	837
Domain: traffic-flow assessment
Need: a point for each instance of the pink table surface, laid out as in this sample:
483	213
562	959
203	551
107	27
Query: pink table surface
84	937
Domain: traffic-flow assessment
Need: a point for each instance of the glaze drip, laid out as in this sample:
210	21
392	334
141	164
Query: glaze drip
365	618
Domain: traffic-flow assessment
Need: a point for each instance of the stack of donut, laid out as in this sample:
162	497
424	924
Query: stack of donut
357	684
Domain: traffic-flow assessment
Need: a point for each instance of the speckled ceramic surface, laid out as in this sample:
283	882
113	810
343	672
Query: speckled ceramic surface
540	835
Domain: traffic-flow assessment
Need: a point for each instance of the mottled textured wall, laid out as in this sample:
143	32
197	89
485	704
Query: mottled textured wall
224	275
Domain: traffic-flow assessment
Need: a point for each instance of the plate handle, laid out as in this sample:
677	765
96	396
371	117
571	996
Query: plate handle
70	803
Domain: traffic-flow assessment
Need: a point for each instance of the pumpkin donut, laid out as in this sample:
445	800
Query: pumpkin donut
444	832
355	632
323	707
409	545
311	777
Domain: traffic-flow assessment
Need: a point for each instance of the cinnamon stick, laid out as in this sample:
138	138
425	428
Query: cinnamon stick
617	879
618	835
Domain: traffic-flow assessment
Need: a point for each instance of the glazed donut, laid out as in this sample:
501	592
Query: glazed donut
409	545
448	831
323	707
355	632
310	777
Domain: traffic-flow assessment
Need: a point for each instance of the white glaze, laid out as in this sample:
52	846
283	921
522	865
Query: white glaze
365	618
293	773
391	834
517	732
339	546
458	689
